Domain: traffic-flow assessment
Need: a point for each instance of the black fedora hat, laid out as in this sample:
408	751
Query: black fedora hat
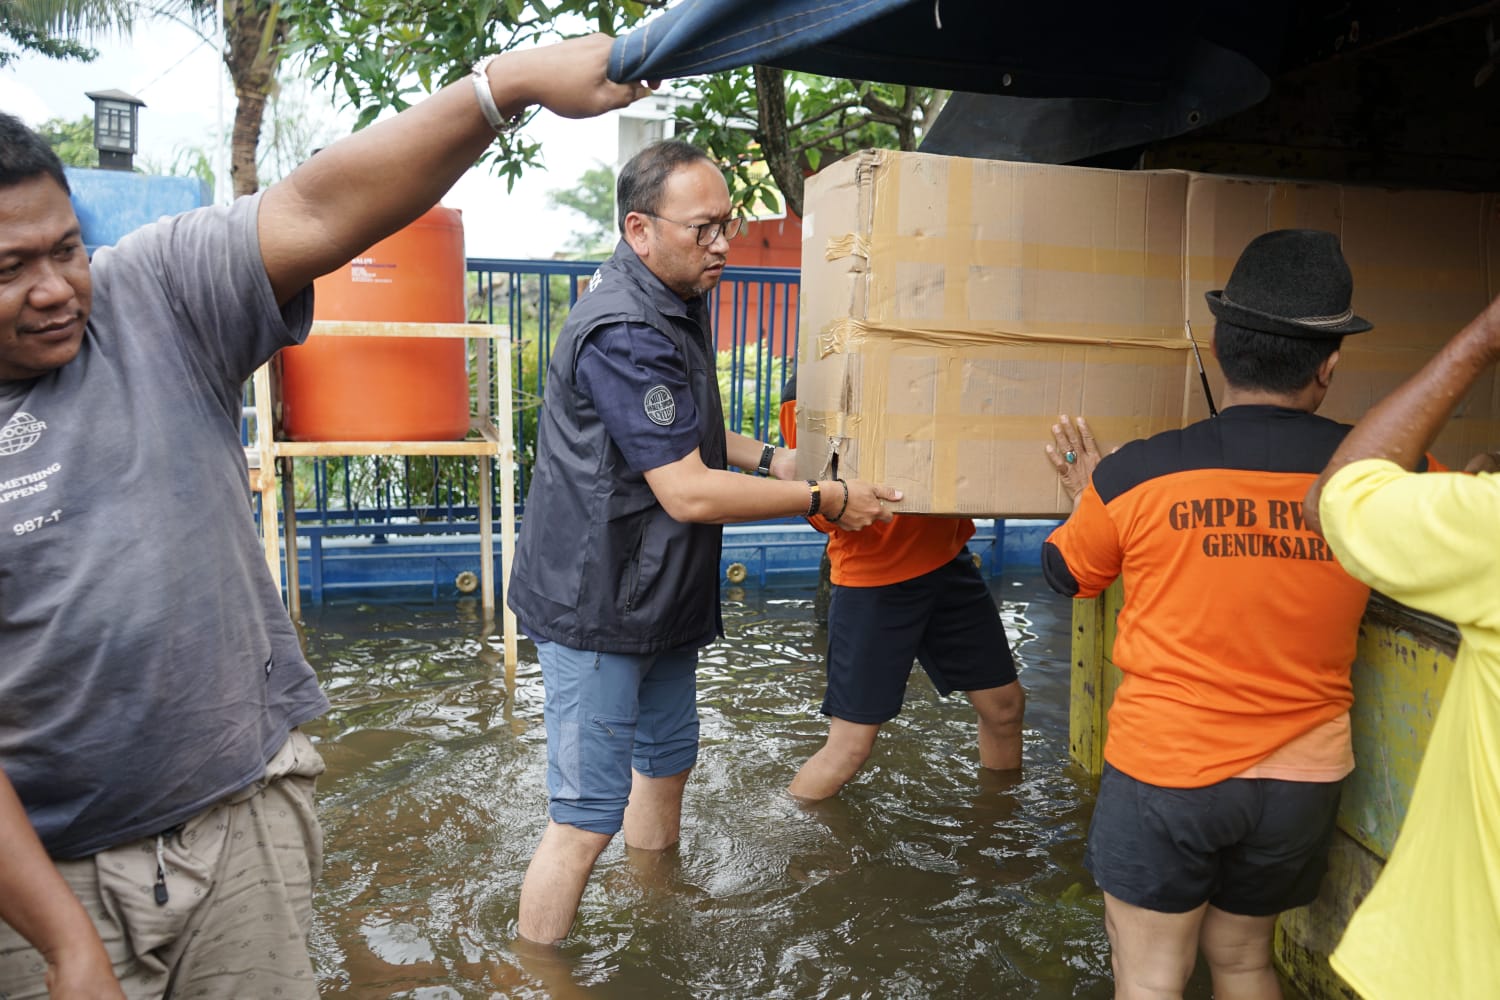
1290	282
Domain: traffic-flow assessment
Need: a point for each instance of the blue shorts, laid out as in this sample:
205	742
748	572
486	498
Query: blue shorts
607	713
946	620
1249	846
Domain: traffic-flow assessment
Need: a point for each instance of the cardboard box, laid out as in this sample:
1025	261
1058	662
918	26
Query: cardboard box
952	308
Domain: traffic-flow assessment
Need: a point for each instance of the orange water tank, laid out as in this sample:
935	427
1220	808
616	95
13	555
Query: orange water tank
385	388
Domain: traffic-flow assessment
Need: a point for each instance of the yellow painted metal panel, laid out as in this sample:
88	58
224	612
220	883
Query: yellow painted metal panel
1400	673
1095	676
1306	936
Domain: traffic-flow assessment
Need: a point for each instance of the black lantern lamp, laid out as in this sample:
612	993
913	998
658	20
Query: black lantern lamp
115	118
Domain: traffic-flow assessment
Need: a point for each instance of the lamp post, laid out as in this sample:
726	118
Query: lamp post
116	115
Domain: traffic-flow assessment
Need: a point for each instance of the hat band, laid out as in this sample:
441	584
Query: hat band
1335	320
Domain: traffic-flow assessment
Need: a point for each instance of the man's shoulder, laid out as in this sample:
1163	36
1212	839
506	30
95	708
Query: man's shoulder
611	296
1279	440
1138	461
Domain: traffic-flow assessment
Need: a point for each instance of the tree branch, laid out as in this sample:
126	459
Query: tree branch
770	114
828	137
804	123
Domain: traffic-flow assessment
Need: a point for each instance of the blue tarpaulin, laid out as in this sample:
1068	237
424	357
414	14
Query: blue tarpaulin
1037	80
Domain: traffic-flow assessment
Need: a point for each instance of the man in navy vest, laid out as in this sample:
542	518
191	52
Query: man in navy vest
616	570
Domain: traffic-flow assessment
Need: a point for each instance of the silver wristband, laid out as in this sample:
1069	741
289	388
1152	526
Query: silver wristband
487	106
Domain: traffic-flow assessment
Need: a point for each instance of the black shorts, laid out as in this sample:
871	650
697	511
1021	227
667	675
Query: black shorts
946	620
1249	846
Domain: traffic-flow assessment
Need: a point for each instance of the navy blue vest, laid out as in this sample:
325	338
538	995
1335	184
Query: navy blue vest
599	564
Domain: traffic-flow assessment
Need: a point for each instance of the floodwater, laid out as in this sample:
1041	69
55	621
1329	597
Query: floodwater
926	877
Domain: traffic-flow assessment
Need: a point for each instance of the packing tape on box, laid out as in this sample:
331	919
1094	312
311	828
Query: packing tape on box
845	335
848	245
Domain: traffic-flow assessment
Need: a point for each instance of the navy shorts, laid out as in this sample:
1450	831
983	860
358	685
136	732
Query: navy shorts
946	620
1249	846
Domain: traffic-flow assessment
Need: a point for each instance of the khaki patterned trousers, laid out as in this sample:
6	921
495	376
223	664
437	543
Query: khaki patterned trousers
239	880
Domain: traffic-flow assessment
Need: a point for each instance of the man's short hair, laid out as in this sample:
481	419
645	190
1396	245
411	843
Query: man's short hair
644	178
1269	362
24	154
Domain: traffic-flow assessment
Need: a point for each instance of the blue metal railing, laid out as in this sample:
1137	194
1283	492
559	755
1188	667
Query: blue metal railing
755	313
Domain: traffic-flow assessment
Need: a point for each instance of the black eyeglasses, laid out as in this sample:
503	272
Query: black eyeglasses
707	232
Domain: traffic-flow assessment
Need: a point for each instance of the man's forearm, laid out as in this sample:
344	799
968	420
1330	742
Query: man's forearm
369	184
34	899
746	452
1402	426
743	450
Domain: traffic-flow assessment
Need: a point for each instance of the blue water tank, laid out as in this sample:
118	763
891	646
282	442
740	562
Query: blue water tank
111	203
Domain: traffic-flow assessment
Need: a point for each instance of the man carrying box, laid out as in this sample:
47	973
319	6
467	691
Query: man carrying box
616	568
1229	735
902	592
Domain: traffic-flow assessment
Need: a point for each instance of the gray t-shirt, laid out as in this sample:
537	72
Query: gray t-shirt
147	665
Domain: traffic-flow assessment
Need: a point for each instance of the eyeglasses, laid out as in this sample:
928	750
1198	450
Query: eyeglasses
707	232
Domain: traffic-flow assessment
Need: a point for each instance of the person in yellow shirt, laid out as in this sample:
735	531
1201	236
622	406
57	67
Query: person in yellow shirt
1431	925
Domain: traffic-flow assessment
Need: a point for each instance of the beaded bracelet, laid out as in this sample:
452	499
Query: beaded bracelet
844	509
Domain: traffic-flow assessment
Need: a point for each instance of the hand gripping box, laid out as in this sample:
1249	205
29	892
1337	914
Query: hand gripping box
951	308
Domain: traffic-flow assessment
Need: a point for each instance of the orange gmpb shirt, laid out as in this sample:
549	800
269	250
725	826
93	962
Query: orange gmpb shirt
1239	626
882	554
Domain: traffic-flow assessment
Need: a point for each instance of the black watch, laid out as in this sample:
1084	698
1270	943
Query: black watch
766	454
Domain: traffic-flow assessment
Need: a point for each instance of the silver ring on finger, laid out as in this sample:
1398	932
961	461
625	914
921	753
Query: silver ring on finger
1070	457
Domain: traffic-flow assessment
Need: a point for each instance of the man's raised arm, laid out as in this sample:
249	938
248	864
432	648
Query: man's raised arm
367	185
1403	425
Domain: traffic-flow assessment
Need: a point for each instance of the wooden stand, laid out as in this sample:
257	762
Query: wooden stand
489	439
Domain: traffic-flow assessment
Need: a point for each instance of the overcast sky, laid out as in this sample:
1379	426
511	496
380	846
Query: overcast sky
182	81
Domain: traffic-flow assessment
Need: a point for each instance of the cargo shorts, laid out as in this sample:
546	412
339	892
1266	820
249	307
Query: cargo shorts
238	884
608	714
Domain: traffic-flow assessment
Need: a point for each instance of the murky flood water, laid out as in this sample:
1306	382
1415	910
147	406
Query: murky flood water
927	877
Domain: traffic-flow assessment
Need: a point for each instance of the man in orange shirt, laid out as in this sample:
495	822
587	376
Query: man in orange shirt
1229	735
906	591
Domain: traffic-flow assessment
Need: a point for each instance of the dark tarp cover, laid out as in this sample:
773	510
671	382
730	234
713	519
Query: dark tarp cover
1045	81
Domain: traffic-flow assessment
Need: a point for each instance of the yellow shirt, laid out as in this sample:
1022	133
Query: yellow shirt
1431	925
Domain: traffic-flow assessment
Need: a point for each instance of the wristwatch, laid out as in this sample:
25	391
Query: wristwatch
767	453
480	75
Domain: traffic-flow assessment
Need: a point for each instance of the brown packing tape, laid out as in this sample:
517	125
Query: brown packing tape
999	427
848	245
945	471
1024	256
839	337
846	335
961	258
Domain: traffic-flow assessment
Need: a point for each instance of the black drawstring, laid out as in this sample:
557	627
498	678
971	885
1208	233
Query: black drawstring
161	863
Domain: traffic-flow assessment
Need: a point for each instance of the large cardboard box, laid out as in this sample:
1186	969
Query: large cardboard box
952	308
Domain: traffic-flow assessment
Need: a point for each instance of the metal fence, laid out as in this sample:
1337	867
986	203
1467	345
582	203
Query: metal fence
755	312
